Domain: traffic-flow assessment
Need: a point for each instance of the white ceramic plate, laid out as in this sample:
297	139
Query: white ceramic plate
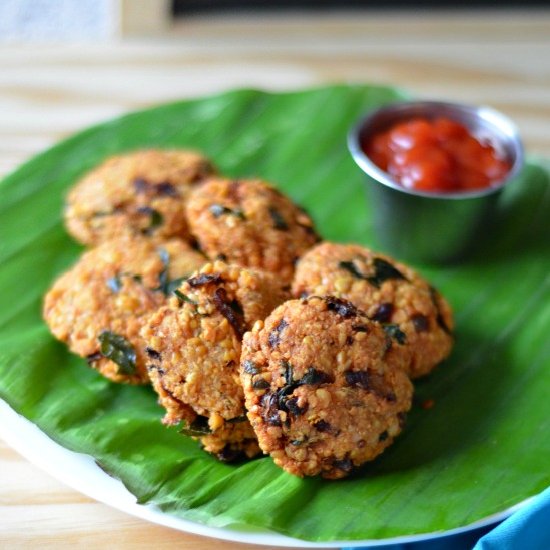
80	472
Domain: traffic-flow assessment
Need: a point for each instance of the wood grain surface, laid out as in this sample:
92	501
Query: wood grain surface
48	92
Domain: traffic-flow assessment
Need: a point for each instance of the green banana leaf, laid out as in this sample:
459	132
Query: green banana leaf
482	447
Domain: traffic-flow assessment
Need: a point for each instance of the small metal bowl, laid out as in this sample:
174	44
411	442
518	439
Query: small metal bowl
434	227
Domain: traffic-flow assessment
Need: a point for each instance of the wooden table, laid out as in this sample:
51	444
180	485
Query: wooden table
49	92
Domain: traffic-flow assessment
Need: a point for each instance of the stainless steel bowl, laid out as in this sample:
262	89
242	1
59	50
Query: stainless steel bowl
433	227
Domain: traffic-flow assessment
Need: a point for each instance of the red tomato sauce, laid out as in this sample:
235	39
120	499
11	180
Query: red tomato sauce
437	155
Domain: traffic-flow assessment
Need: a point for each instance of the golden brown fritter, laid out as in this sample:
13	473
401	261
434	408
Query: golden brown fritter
250	223
194	347
98	307
141	192
388	291
322	392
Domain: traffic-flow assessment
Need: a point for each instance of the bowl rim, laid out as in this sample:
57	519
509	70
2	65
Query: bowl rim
492	118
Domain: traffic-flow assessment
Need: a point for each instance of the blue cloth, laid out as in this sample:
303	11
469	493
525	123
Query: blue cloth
527	529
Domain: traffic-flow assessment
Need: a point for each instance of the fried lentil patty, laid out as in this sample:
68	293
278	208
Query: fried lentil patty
194	347
250	223
141	192
99	305
388	291
322	393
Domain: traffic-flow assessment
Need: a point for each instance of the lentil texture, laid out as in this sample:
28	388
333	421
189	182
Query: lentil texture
108	293
195	343
141	192
388	291
250	223
323	396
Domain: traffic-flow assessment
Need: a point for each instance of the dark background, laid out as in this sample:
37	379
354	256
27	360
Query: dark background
182	7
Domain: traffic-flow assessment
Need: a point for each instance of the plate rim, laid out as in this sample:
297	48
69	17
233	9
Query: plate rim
81	472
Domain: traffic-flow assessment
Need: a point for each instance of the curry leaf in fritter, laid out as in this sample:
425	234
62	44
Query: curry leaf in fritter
155	218
116	348
278	220
167	286
383	271
183	298
352	268
394	332
218	210
198	427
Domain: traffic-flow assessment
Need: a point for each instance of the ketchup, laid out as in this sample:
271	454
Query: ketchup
438	155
